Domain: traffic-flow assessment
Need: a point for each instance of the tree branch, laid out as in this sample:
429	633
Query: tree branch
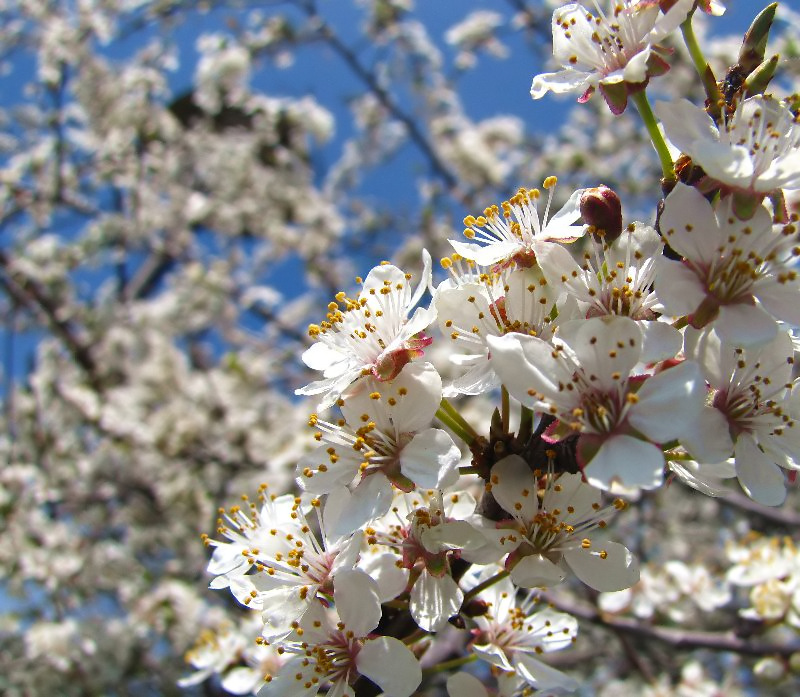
684	639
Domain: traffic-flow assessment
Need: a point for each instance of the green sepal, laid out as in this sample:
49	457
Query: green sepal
754	46
758	80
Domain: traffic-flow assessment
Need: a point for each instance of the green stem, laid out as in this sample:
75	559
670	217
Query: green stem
456	416
415	636
469	595
681	322
453	425
526	421
505	409
469	470
678	457
651	124
447	665
703	68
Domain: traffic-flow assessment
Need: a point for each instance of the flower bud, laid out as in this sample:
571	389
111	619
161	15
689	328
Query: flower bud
770	670
758	80
754	45
602	212
794	662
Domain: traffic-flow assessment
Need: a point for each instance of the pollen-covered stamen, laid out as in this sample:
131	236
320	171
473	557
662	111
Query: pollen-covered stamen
518	222
364	450
516	628
589	407
753	401
607	43
297	559
336	660
743	259
557	526
620	285
767	133
461	270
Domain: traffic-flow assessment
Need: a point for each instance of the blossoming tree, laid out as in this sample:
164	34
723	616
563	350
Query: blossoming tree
563	461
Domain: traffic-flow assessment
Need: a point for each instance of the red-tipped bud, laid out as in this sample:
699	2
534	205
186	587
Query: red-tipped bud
602	212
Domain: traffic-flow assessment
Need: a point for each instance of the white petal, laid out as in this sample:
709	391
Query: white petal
407	403
661	341
321	356
559	82
782	173
526	362
636	68
607	347
389	663
684	123
390	578
465	685
669	402
745	325
536	570
761	479
477	380
731	164
616	571
705	347
434	600
357	601
670	20
452	534
494	655
542	676
689	225
780	299
333	475
708	438
241	681
486	255
628	461
430	459
511	478
572	492
346	511
678	287
281	608
560	225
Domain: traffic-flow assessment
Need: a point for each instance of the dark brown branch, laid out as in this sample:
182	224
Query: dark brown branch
782	516
684	639
413	130
30	294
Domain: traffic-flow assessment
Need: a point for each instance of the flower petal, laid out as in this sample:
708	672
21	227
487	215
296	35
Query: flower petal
536	571
434	600
465	685
745	325
430	460
761	479
357	601
346	511
611	568
627	460
389	663
514	487
669	402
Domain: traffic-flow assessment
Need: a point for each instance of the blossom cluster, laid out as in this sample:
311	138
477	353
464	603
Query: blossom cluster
624	353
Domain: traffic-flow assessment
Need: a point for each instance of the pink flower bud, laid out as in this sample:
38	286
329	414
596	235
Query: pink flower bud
602	212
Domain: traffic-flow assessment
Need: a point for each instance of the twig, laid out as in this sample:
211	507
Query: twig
781	516
30	294
678	638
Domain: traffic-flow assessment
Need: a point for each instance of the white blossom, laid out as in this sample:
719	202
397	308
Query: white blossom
613	48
